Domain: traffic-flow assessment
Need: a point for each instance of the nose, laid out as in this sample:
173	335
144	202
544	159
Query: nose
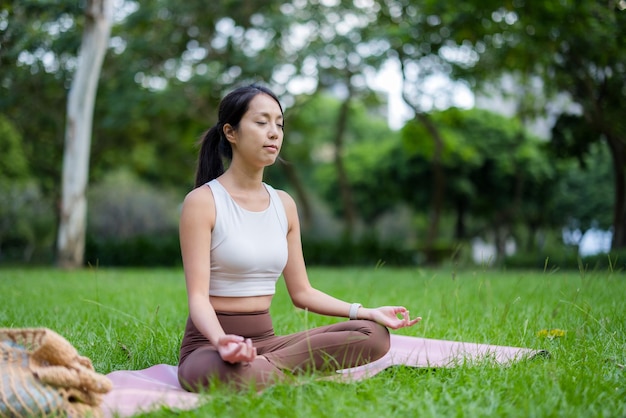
273	132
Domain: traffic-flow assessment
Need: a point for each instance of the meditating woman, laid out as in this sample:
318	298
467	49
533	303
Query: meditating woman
237	236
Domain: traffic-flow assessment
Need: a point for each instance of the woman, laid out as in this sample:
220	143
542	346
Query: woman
237	236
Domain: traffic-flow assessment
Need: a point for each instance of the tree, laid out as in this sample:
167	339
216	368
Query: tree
367	160
571	48
577	48
13	174
80	105
498	176
136	125
37	58
25	216
407	29
334	44
584	191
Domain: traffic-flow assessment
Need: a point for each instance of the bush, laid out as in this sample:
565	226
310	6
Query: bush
122	206
27	224
367	251
131	223
613	261
157	250
568	260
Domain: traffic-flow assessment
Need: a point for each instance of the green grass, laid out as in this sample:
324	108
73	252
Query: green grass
132	319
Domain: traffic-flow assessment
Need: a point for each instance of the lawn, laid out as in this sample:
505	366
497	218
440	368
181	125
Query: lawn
132	319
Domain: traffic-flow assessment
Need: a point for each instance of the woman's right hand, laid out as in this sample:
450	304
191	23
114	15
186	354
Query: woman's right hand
236	349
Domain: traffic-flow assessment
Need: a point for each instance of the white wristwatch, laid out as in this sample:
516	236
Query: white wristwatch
353	310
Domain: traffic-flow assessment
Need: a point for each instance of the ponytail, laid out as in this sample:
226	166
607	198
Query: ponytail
213	150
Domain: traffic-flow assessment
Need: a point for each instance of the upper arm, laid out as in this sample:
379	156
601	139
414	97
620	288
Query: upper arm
197	220
295	274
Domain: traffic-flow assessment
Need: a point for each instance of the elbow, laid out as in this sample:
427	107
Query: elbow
298	304
300	299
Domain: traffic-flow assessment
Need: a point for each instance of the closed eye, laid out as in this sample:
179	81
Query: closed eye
280	125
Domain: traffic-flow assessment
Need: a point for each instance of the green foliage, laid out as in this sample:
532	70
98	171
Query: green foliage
570	138
170	62
39	45
368	144
309	131
368	165
495	172
585	191
576	48
158	90
13	163
26	216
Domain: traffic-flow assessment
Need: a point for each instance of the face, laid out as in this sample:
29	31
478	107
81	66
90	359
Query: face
259	136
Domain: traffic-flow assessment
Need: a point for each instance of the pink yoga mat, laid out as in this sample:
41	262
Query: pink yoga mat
137	391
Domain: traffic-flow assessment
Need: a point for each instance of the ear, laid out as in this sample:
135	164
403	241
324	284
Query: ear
229	132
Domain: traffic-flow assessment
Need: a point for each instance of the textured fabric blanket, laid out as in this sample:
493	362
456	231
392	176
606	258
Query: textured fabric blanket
137	391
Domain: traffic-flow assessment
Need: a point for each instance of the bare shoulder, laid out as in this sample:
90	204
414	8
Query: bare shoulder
199	195
199	203
288	202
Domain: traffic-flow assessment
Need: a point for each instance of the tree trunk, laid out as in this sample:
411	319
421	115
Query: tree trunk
619	208
439	177
459	225
303	196
345	191
439	180
80	108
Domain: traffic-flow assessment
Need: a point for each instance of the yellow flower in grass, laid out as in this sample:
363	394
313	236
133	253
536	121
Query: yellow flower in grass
551	333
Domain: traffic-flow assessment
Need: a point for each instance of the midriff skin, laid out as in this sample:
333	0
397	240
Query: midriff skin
241	304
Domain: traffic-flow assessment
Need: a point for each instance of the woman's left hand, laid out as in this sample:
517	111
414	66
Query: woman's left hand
393	317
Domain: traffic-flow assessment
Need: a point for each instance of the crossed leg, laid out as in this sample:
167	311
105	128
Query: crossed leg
326	349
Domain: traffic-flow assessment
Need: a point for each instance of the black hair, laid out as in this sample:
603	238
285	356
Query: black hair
214	148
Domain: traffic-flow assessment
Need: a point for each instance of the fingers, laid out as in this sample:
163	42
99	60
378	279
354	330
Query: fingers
246	352
250	351
236	349
399	310
414	321
405	319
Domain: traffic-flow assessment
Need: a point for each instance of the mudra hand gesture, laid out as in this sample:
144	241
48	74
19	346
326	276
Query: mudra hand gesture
393	317
236	349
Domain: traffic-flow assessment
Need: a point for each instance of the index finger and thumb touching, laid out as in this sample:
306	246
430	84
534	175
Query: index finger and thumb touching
406	316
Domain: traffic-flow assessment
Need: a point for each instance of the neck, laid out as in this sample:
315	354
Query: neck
249	180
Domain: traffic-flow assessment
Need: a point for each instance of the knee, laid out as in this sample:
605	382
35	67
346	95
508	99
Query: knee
197	375
201	369
380	340
196	378
377	342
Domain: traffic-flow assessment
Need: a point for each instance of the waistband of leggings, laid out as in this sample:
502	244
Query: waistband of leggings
254	313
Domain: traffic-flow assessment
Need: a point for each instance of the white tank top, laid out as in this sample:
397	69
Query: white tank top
248	249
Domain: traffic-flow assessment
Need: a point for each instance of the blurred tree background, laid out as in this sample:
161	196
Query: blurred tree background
435	190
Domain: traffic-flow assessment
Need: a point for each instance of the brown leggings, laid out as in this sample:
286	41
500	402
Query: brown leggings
328	348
